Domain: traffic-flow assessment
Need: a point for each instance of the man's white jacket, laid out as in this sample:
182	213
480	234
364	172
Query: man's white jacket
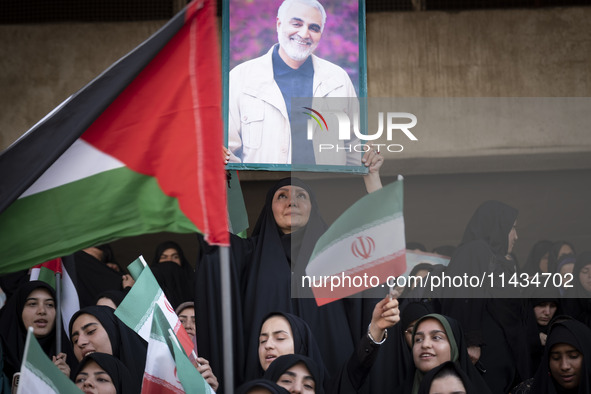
258	122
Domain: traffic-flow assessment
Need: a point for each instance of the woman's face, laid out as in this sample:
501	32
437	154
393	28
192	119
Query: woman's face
291	208
566	365
297	379
88	336
39	312
187	318
170	254
544	263
431	347
94	380
585	277
275	339
545	312
447	385
512	237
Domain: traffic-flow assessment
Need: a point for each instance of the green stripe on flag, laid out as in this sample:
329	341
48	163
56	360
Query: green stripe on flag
48	276
139	303
188	375
110	205
381	206
236	206
47	375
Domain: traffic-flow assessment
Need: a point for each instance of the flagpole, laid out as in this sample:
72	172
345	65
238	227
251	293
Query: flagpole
58	313
227	319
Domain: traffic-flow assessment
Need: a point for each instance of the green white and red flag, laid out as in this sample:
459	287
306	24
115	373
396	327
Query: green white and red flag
139	305
46	271
361	249
168	370
39	374
136	151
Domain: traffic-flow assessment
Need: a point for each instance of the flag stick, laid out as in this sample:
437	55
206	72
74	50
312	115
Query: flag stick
227	319
58	312
26	351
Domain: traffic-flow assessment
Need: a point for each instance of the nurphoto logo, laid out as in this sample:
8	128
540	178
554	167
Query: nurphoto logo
394	121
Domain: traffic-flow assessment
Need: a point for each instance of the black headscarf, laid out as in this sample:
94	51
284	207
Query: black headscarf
14	333
455	368
261	267
532	264
537	296
491	223
283	363
126	344
176	281
116	296
576	334
553	254
115	369
578	300
394	363
458	353
90	276
304	343
5	383
492	317
261	383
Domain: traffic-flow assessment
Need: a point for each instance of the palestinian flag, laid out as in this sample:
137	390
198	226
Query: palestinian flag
139	305
39	374
136	151
47	271
361	249
168	370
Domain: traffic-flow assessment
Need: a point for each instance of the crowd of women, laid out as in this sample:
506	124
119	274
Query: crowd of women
456	341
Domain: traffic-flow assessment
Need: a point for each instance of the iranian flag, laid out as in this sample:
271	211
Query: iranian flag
136	151
39	374
145	297
168	370
361	249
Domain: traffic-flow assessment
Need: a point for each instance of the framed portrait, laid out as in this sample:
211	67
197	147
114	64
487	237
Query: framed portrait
293	73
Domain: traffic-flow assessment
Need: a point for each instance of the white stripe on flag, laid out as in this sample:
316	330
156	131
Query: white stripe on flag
70	300
33	381
360	250
158	359
88	161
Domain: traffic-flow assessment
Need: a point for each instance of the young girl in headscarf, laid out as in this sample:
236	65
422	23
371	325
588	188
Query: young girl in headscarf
437	339
566	365
34	304
297	374
102	373
283	333
97	329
